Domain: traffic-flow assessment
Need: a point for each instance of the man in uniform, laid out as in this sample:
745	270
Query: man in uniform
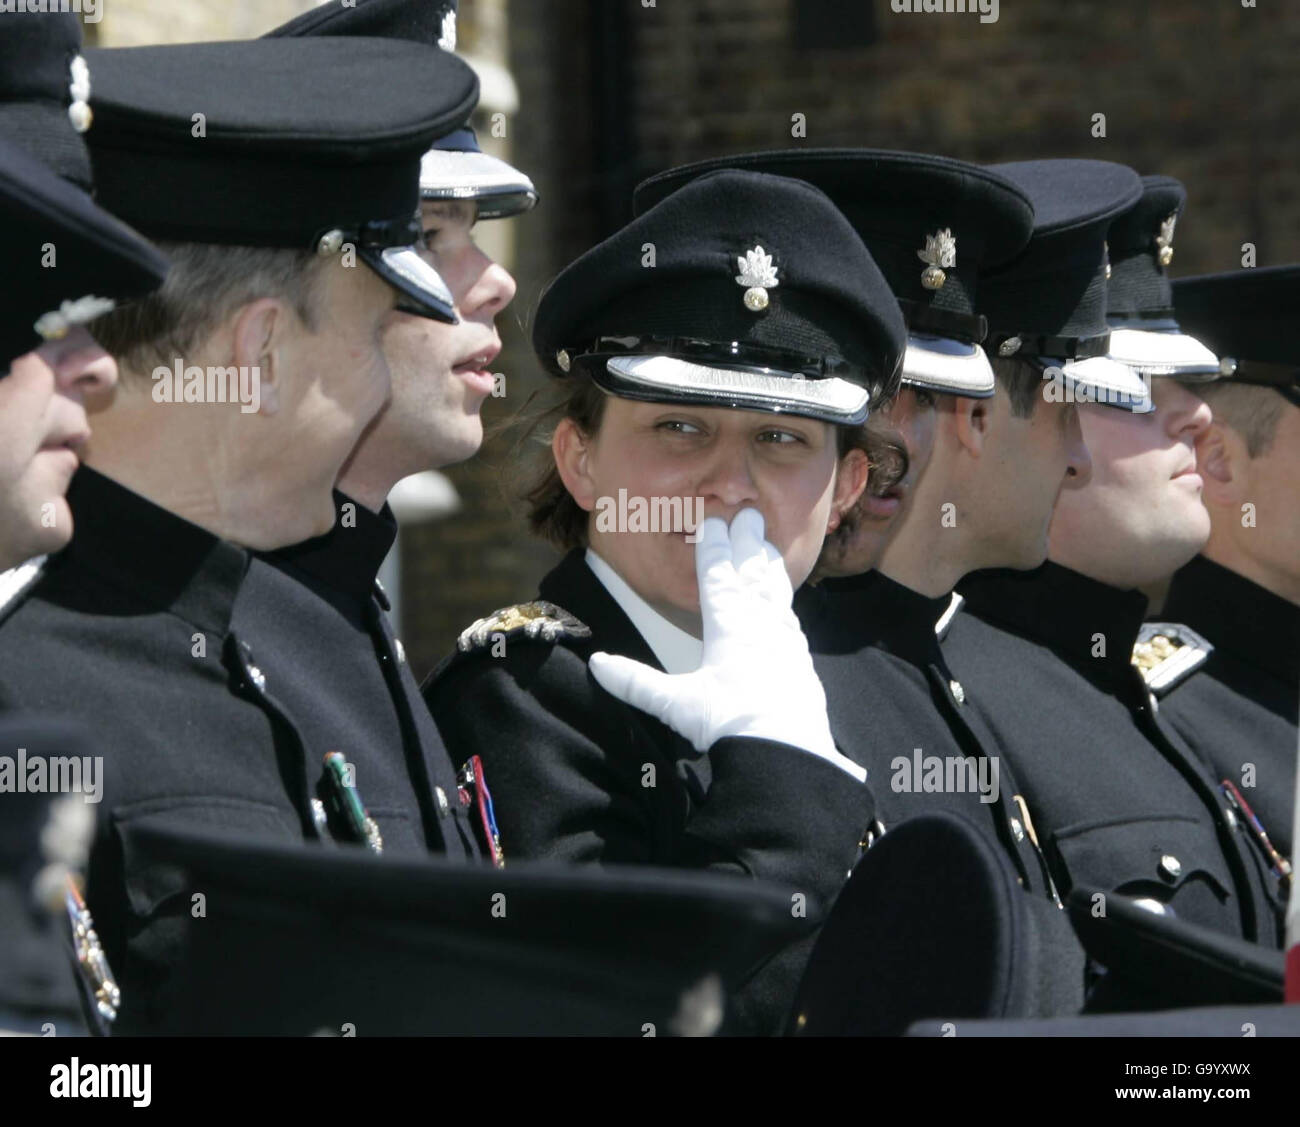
135	627
1237	705
1120	803
440	379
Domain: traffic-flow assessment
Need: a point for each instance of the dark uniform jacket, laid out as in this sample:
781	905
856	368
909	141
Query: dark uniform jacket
1119	800
897	709
135	630
1242	706
578	775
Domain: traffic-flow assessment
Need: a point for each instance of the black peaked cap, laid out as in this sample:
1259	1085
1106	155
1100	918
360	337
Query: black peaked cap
1140	252
422	21
820	298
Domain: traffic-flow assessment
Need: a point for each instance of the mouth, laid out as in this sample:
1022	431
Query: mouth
883	505
71	441
1188	474
476	368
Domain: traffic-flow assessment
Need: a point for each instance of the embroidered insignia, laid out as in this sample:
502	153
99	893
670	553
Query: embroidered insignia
1165	240
1166	653
447	40
757	273
56	324
940	251
538	619
79	112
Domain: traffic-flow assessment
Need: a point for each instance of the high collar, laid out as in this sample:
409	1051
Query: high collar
1239	616
874	610
348	557
1066	612
165	561
677	651
572	585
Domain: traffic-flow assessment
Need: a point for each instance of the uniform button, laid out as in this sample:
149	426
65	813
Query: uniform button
444	808
1017	829
401	650
1170	866
257	677
958	693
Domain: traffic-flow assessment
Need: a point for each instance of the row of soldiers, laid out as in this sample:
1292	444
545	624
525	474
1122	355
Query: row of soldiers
947	430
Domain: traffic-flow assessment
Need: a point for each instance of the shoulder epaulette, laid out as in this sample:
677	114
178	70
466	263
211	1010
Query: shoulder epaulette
16	582
540	620
1167	653
945	619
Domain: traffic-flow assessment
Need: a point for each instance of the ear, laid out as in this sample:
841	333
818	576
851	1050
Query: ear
258	337
572	451
850	481
1222	461
972	419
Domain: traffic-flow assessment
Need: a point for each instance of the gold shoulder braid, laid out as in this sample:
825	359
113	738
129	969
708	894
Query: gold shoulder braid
538	619
1167	653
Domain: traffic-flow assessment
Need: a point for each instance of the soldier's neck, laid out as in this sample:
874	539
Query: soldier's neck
1226	552
193	461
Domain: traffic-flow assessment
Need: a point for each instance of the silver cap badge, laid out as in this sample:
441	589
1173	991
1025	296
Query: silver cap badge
940	252
759	275
1165	241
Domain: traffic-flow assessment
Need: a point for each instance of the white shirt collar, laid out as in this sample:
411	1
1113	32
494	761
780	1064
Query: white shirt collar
677	651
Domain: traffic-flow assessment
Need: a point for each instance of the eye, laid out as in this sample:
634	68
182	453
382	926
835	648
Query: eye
678	426
925	397
431	236
780	437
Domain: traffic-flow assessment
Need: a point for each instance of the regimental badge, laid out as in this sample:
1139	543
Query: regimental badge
447	40
1165	241
1166	653
759	275
56	324
940	252
539	619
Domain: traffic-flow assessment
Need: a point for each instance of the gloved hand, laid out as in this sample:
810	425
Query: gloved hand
756	677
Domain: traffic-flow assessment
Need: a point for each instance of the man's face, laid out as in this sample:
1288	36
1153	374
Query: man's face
1141	517
336	381
441	373
908	420
1030	465
782	465
42	430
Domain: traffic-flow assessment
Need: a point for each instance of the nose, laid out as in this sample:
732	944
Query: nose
1187	415
81	366
1078	459
727	482
492	288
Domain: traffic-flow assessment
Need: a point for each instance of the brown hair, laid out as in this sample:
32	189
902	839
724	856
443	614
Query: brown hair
552	512
1021	380
1252	411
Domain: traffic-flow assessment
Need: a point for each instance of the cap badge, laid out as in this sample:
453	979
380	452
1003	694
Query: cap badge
79	112
56	324
1010	346
1165	240
757	273
940	252
447	40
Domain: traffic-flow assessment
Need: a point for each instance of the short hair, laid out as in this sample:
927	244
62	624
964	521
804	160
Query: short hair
1021	379
551	511
1252	411
205	285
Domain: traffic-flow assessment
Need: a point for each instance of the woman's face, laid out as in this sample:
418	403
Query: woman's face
648	460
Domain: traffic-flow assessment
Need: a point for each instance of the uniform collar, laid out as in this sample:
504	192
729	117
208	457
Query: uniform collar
1239	616
1065	611
677	651
348	557
874	610
164	560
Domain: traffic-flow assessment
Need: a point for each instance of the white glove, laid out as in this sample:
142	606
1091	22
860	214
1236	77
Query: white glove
756	677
